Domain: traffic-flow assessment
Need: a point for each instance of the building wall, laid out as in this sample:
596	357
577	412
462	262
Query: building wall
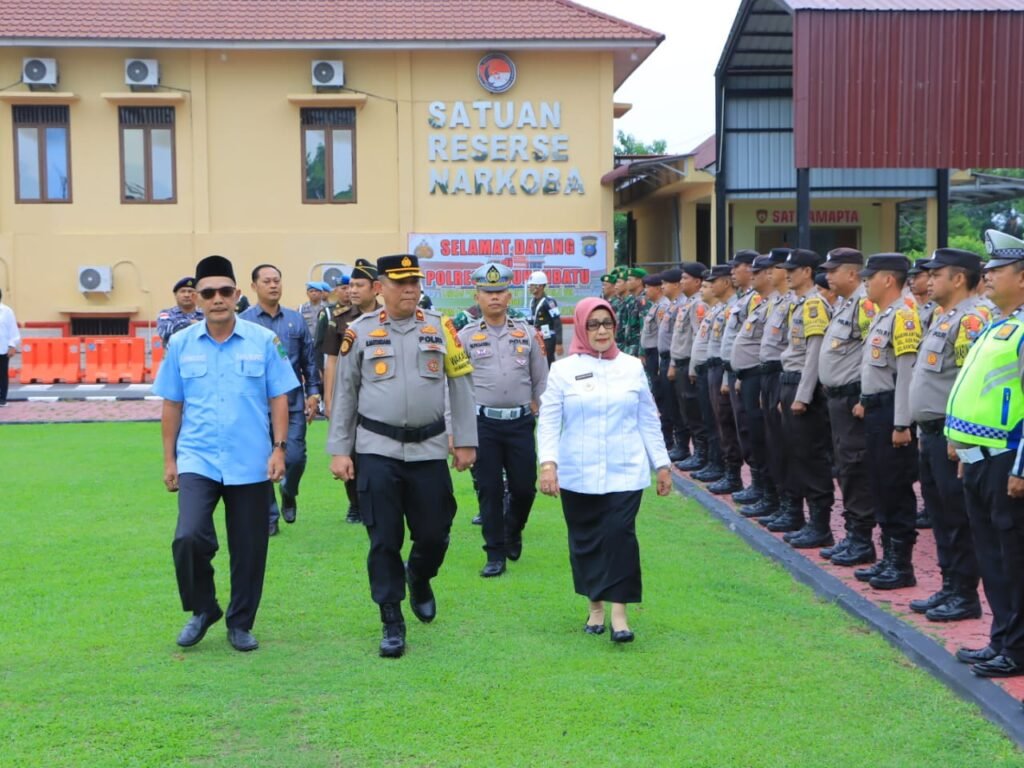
868	218
239	170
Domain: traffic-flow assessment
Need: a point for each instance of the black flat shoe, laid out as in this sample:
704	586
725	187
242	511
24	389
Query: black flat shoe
1000	666
976	655
241	640
594	629
195	629
622	636
493	568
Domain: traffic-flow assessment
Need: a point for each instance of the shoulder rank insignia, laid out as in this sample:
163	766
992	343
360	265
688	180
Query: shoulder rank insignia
383	316
1005	332
420	317
347	340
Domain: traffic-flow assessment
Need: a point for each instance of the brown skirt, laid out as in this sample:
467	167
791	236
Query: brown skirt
603	549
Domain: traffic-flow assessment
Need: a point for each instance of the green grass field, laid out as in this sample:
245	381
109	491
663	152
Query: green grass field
734	664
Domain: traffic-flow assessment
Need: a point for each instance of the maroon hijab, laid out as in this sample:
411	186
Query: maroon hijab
580	343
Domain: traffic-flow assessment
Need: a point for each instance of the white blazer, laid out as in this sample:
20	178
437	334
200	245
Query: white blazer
598	422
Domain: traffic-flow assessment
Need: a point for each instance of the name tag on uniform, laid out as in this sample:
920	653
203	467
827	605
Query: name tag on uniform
585	376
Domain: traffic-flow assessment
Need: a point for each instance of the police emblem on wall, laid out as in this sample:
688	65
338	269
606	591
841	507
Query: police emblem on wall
496	72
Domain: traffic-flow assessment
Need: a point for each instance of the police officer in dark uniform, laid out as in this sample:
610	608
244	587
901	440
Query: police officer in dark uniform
510	371
545	315
389	412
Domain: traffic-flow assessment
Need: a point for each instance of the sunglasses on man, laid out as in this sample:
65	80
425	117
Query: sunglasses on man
226	291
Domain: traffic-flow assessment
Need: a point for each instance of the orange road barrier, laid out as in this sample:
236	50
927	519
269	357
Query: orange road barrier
114	359
156	355
47	361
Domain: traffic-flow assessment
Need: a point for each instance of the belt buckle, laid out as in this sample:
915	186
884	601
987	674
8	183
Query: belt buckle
970	455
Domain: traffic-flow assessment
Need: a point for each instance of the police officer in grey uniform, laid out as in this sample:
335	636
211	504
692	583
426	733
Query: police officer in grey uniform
712	470
746	365
917	283
183	314
389	410
887	363
656	304
316	293
773	344
953	276
678	442
510	371
720	277
688	318
839	364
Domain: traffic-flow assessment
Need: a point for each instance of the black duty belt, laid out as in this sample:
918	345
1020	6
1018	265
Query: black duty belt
403	434
772	366
683	362
714	362
700	369
746	373
932	427
790	377
878	399
847	390
667	355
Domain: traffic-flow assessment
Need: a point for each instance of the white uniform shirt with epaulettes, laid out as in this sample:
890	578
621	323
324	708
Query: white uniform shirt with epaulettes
742	303
746	349
667	324
942	353
699	353
395	372
776	328
688	316
840	356
719	317
887	358
652	320
808	318
510	363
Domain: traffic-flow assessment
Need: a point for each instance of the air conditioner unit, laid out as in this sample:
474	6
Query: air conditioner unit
95	279
328	74
331	272
39	71
141	72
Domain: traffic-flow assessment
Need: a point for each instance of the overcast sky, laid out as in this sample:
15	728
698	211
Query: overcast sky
673	91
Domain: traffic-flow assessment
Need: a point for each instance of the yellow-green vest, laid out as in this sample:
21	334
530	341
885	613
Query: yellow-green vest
986	404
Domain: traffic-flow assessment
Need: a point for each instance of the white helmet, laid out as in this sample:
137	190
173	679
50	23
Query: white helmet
537	278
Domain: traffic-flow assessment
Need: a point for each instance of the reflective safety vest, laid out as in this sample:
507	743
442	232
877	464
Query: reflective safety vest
986	404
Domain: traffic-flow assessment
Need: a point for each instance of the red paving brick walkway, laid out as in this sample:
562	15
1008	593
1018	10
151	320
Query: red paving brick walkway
952	635
24	412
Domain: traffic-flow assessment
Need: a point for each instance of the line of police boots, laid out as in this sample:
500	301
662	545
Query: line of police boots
896	568
956	600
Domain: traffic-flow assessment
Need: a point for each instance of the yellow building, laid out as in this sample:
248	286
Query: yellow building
141	136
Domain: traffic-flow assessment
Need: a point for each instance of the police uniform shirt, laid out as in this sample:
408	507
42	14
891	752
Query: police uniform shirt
547	318
652	322
310	312
926	312
740	305
808	319
172	320
667	324
887	358
510	363
688	319
291	329
719	317
840	356
395	372
746	349
942	353
225	387
699	353
776	327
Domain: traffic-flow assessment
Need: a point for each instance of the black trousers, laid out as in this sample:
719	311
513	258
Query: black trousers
741	421
707	414
725	422
5	378
505	446
294	463
809	471
549	348
849	441
750	397
891	472
350	487
391	493
997	527
680	435
603	549
652	365
685	392
943	494
776	449
195	544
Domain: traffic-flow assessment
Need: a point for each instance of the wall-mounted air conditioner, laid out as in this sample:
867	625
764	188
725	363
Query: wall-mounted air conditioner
328	74
36	71
95	279
141	72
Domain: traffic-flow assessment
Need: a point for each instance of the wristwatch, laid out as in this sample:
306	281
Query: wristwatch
282	444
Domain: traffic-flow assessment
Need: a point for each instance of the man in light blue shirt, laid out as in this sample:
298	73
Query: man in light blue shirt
216	380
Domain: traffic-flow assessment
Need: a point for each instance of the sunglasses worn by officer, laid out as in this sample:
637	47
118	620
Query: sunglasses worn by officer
227	291
593	325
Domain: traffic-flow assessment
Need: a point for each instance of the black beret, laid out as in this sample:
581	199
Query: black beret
693	269
888	262
654	279
185	282
214	266
673	275
839	256
952	257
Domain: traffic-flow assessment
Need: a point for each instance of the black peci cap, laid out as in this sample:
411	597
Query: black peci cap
214	266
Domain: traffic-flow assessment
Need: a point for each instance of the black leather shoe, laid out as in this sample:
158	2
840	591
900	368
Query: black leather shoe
976	655
786	522
273	529
933	600
289	508
693	464
195	629
594	629
241	640
837	549
514	546
392	641
857	552
812	539
622	636
749	495
493	568
957	608
730	483
1000	666
710	474
678	454
923	520
421	598
478	520
804	529
353	515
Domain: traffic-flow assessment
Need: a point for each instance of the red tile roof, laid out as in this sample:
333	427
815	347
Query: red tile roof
334	21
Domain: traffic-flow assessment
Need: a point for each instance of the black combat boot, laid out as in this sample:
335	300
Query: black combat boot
859	550
963	603
729	483
819	531
785	502
752	493
790	517
678	451
900	572
827	552
766	506
935	599
711	473
696	462
866	574
392	642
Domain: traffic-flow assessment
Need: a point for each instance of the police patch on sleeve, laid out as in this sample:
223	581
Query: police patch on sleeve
281	351
347	341
906	332
815	317
456	361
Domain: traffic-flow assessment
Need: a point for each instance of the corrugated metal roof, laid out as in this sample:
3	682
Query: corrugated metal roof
905	5
917	90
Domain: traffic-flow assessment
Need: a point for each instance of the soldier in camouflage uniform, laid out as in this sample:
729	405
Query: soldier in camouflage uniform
631	318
